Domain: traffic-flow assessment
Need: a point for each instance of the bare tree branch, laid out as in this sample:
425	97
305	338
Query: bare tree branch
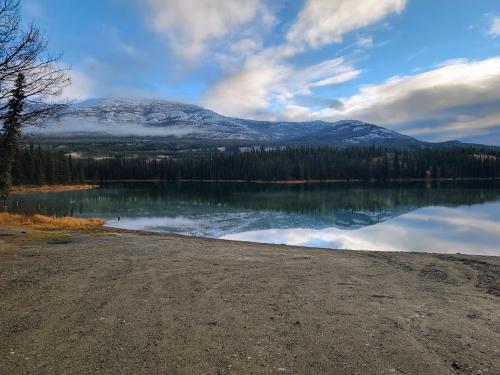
25	52
29	79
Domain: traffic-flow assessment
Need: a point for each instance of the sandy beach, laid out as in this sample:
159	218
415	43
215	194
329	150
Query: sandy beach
120	302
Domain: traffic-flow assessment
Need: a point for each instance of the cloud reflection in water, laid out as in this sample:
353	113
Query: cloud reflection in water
466	229
445	217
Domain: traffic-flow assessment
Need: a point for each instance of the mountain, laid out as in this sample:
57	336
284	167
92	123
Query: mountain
165	119
153	123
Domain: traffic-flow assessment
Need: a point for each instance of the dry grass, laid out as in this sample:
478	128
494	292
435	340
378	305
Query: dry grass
50	188
40	235
49	223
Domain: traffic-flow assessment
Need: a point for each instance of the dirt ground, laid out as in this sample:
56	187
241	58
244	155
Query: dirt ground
117	302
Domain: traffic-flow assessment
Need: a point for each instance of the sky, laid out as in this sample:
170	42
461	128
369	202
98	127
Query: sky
426	68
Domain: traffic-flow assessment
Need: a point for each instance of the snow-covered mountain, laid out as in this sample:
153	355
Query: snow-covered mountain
160	118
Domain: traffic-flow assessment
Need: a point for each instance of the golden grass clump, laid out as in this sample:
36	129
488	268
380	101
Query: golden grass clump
49	223
50	188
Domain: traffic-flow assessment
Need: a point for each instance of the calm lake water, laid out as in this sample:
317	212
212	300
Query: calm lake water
445	217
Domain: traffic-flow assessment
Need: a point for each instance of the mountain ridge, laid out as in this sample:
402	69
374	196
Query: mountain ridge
158	118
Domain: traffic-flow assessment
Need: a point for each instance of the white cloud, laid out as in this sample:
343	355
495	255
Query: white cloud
80	88
457	98
328	73
495	27
190	25
247	91
245	47
264	83
324	22
364	41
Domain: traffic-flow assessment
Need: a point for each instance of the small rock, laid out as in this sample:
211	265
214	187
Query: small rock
456	365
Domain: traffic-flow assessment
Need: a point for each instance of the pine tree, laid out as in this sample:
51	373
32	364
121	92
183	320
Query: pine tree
9	137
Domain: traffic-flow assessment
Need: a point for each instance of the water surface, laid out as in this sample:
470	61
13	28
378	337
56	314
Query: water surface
445	217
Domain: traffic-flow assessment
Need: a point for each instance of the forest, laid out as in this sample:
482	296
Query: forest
38	166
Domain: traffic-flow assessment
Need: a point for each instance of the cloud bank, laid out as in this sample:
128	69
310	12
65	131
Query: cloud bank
123	129
456	99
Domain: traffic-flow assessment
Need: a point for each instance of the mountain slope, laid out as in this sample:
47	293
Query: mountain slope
160	119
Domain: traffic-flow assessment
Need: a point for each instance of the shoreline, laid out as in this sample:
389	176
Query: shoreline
84	226
141	302
94	184
51	188
304	182
54	223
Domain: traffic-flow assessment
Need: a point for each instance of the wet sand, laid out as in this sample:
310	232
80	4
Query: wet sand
119	302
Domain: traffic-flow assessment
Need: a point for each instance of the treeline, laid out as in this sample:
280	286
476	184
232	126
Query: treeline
306	163
37	166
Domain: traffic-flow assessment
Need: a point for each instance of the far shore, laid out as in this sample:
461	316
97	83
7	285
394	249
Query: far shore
51	188
303	182
114	301
93	184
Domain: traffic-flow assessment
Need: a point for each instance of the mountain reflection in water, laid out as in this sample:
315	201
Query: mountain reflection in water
439	216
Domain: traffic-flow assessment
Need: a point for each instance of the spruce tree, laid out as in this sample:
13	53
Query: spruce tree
9	137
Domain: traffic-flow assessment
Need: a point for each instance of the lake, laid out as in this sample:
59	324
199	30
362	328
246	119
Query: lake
444	217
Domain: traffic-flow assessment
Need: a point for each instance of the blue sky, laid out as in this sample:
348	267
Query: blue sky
427	68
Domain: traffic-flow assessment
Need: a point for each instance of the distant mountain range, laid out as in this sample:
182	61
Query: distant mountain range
160	119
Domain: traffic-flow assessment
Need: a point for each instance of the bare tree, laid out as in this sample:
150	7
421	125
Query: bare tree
27	67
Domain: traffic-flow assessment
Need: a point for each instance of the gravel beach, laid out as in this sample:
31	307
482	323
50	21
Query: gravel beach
120	302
